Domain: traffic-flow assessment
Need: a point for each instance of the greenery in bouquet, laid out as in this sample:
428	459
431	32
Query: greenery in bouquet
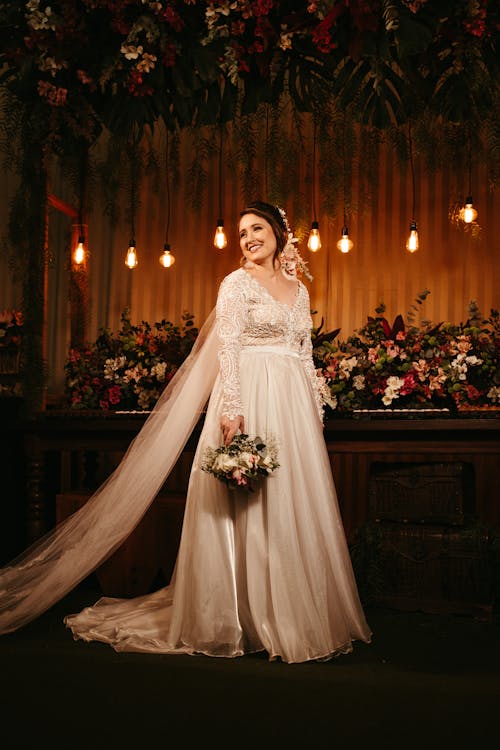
241	462
128	370
11	328
403	366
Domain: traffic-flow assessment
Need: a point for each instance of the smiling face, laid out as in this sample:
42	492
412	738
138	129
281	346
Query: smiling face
257	239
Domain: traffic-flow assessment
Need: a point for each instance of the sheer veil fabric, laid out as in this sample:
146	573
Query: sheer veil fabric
53	565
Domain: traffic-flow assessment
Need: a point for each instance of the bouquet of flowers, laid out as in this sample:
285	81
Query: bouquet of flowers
243	460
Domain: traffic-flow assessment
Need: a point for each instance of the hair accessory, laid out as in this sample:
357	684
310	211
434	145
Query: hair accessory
291	260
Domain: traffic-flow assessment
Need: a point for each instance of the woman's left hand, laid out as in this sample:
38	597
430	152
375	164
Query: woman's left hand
230	427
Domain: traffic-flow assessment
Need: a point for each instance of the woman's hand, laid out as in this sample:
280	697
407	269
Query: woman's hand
230	427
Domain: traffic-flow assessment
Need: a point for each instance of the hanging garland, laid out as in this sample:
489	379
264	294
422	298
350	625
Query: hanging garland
102	63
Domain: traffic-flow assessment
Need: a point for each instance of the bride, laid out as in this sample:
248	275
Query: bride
262	571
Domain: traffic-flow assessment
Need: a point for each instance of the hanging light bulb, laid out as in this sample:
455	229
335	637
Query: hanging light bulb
345	244
468	213
412	241
79	254
131	256
314	241
220	239
167	260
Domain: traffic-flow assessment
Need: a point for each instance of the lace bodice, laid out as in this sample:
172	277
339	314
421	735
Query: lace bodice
248	315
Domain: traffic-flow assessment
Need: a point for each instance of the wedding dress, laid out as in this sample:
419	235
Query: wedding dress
262	571
268	570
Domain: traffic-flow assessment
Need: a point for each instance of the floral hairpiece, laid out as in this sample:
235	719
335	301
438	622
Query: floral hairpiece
291	260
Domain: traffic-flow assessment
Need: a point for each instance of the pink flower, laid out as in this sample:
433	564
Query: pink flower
239	477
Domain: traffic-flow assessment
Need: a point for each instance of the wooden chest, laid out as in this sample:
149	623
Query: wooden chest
432	568
422	492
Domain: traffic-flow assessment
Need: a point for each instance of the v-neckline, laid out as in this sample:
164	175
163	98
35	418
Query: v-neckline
269	294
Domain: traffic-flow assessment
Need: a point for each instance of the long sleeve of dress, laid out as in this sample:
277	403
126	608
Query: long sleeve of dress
230	323
306	355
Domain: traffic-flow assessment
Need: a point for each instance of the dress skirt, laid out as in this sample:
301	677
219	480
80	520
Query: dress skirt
267	570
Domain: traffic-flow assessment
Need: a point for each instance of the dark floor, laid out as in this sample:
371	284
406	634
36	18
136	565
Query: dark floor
426	681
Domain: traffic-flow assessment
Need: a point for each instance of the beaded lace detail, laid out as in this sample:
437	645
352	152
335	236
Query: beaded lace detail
248	315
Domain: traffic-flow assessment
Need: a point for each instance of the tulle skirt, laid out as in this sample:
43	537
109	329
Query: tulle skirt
267	570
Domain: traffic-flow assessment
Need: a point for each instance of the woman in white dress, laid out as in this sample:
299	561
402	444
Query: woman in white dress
268	570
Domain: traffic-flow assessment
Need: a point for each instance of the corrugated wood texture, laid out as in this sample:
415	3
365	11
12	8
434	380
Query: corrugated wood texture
346	288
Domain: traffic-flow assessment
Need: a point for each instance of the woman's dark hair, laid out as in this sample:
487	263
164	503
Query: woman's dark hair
272	215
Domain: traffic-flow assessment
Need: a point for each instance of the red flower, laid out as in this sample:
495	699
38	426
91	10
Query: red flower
114	394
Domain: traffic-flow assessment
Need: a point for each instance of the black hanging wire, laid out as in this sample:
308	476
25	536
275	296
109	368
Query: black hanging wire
134	159
412	171
220	172
82	189
167	162
344	169
266	152
469	164
314	169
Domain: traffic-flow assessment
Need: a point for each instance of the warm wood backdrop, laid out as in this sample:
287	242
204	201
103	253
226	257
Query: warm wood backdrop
346	288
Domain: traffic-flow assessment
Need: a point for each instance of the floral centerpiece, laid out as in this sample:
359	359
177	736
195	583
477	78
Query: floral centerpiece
404	366
127	371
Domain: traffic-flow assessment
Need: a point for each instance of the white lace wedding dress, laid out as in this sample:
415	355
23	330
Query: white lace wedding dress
263	571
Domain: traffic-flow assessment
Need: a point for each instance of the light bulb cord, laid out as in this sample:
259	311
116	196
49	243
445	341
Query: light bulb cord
344	168
314	169
134	159
412	171
82	185
167	173
469	158
220	169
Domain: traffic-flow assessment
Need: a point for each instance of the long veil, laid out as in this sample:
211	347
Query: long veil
57	562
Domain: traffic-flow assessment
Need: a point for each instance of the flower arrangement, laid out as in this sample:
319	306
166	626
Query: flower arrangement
11	328
399	366
127	371
241	462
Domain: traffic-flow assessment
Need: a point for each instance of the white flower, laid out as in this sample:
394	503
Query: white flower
285	41
147	63
158	371
494	394
459	366
131	52
39	20
394	384
112	365
223	463
346	366
473	360
358	382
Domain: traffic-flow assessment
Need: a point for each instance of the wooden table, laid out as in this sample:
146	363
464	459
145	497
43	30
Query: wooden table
68	454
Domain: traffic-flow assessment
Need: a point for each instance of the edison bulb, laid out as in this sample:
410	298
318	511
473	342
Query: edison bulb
220	239
345	244
314	241
131	256
412	241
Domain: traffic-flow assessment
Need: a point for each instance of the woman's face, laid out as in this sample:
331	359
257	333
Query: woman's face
257	239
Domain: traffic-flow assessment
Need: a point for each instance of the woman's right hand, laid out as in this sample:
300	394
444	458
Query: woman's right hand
231	427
